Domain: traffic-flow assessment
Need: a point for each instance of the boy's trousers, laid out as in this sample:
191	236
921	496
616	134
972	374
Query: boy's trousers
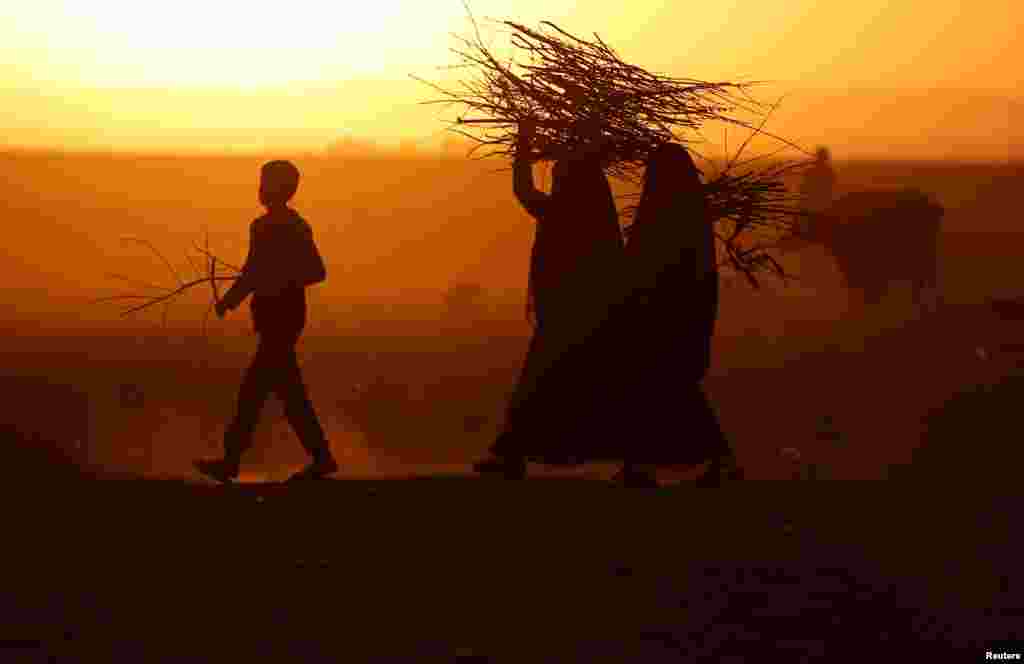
275	369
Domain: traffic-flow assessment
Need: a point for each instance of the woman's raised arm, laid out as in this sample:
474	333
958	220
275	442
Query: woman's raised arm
535	201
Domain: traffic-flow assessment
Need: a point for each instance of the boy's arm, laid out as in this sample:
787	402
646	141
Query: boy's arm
317	269
255	272
246	283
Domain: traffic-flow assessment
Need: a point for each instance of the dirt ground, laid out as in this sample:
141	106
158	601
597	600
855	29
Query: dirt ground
450	569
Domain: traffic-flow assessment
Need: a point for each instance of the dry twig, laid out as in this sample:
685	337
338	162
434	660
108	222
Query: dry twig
167	295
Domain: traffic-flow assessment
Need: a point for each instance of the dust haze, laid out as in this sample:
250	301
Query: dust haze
411	372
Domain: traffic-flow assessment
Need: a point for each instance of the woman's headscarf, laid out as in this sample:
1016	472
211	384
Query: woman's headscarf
581	239
673	270
671	223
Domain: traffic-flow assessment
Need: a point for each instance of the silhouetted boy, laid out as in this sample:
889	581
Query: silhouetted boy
283	260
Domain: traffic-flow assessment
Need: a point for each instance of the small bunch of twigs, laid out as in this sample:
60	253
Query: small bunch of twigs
561	80
752	210
206	267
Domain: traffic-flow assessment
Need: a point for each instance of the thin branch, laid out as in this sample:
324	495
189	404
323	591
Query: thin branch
207	253
147	243
136	282
163	298
168	295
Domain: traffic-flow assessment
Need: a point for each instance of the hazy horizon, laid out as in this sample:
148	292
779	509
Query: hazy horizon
862	123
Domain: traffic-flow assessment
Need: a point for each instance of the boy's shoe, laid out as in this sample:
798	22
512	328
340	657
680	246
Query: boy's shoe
221	470
510	468
317	470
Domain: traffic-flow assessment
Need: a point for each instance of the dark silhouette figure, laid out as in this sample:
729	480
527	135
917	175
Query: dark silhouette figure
464	299
283	260
819	183
853	226
45	428
574	264
624	384
665	326
1008	308
905	222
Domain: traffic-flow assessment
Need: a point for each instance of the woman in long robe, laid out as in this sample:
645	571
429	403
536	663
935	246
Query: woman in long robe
666	324
575	261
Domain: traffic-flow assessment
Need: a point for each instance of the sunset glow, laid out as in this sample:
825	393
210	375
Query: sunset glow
231	44
239	76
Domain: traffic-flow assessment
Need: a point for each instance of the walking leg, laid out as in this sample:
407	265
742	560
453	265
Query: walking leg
723	465
257	384
298	408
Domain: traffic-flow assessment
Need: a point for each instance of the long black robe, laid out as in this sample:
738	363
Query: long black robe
666	324
629	390
669	335
574	267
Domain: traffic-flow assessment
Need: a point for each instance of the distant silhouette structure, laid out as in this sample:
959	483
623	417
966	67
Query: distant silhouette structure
283	260
574	265
853	227
665	327
1008	308
463	299
878	237
818	187
46	428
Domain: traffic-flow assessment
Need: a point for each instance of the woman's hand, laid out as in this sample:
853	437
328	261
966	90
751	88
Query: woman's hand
527	130
526	137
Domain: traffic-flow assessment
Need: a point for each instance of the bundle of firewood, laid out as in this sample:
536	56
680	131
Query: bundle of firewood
558	81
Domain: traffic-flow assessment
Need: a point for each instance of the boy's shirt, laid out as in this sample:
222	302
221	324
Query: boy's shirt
283	259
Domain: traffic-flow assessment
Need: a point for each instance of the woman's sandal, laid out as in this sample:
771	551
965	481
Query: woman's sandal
715	474
510	469
635	479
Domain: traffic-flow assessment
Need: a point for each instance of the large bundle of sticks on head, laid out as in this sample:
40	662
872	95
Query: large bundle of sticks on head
561	81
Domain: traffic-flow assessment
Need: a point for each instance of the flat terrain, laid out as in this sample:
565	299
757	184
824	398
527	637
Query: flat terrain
450	569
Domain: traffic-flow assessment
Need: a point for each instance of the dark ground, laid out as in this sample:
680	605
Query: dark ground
924	566
459	569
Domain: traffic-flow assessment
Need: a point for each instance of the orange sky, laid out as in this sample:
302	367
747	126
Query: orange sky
286	76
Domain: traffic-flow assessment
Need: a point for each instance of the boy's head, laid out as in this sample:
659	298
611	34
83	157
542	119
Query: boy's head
278	182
